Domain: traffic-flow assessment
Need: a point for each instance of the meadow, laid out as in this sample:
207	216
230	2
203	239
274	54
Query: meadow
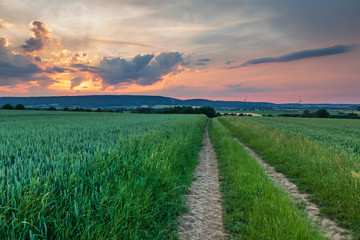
68	175
323	167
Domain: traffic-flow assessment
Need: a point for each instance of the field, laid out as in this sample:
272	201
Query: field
321	166
94	175
78	175
340	134
255	208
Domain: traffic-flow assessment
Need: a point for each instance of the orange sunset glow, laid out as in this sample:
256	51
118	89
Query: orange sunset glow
227	50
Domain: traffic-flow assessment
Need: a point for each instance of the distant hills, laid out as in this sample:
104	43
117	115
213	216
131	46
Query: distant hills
135	101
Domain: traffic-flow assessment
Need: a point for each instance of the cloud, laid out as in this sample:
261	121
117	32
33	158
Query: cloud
337	49
3	42
143	70
4	24
75	82
238	88
16	68
40	33
37	59
86	68
56	69
204	60
234	85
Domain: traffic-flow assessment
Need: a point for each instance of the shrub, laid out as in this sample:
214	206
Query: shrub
20	107
7	107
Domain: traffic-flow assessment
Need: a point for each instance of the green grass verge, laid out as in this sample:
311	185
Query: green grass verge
254	207
323	172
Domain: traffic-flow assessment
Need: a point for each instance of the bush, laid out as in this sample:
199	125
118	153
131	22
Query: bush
20	107
352	116
7	107
322	113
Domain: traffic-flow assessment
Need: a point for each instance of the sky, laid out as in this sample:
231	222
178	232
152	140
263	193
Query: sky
277	51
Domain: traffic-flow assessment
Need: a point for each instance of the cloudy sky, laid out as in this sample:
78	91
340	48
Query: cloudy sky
265	50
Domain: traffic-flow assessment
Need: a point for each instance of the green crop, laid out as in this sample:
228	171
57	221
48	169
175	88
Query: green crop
66	175
340	134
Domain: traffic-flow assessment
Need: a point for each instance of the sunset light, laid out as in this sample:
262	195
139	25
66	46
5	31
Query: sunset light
221	51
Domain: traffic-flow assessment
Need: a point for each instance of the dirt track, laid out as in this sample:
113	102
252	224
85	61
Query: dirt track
205	217
327	226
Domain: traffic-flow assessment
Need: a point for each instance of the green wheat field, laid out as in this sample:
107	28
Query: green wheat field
76	175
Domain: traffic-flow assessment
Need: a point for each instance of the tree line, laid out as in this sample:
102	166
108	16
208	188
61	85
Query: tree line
321	113
208	111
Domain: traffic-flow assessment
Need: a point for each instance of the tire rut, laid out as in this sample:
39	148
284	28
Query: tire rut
327	226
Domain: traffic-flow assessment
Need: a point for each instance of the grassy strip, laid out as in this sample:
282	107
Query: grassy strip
128	185
254	207
320	171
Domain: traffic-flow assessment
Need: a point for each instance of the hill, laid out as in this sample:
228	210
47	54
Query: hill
134	101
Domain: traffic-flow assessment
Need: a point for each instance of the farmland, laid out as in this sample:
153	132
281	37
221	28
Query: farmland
323	168
94	175
338	134
255	208
89	175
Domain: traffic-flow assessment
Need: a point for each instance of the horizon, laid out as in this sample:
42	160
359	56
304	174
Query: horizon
262	51
302	103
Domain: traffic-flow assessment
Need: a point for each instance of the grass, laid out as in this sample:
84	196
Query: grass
264	112
254	207
339	134
321	171
95	175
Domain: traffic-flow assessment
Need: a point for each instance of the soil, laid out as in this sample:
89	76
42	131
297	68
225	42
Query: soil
327	226
205	217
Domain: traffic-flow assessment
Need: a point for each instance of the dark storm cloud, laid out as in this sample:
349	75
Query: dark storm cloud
15	67
142	70
10	70
338	49
40	33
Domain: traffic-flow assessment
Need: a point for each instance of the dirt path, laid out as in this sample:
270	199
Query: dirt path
329	227
205	217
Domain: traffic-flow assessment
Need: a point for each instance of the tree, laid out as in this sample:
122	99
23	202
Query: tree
7	107
66	109
20	107
307	113
352	116
322	113
208	111
358	108
51	109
